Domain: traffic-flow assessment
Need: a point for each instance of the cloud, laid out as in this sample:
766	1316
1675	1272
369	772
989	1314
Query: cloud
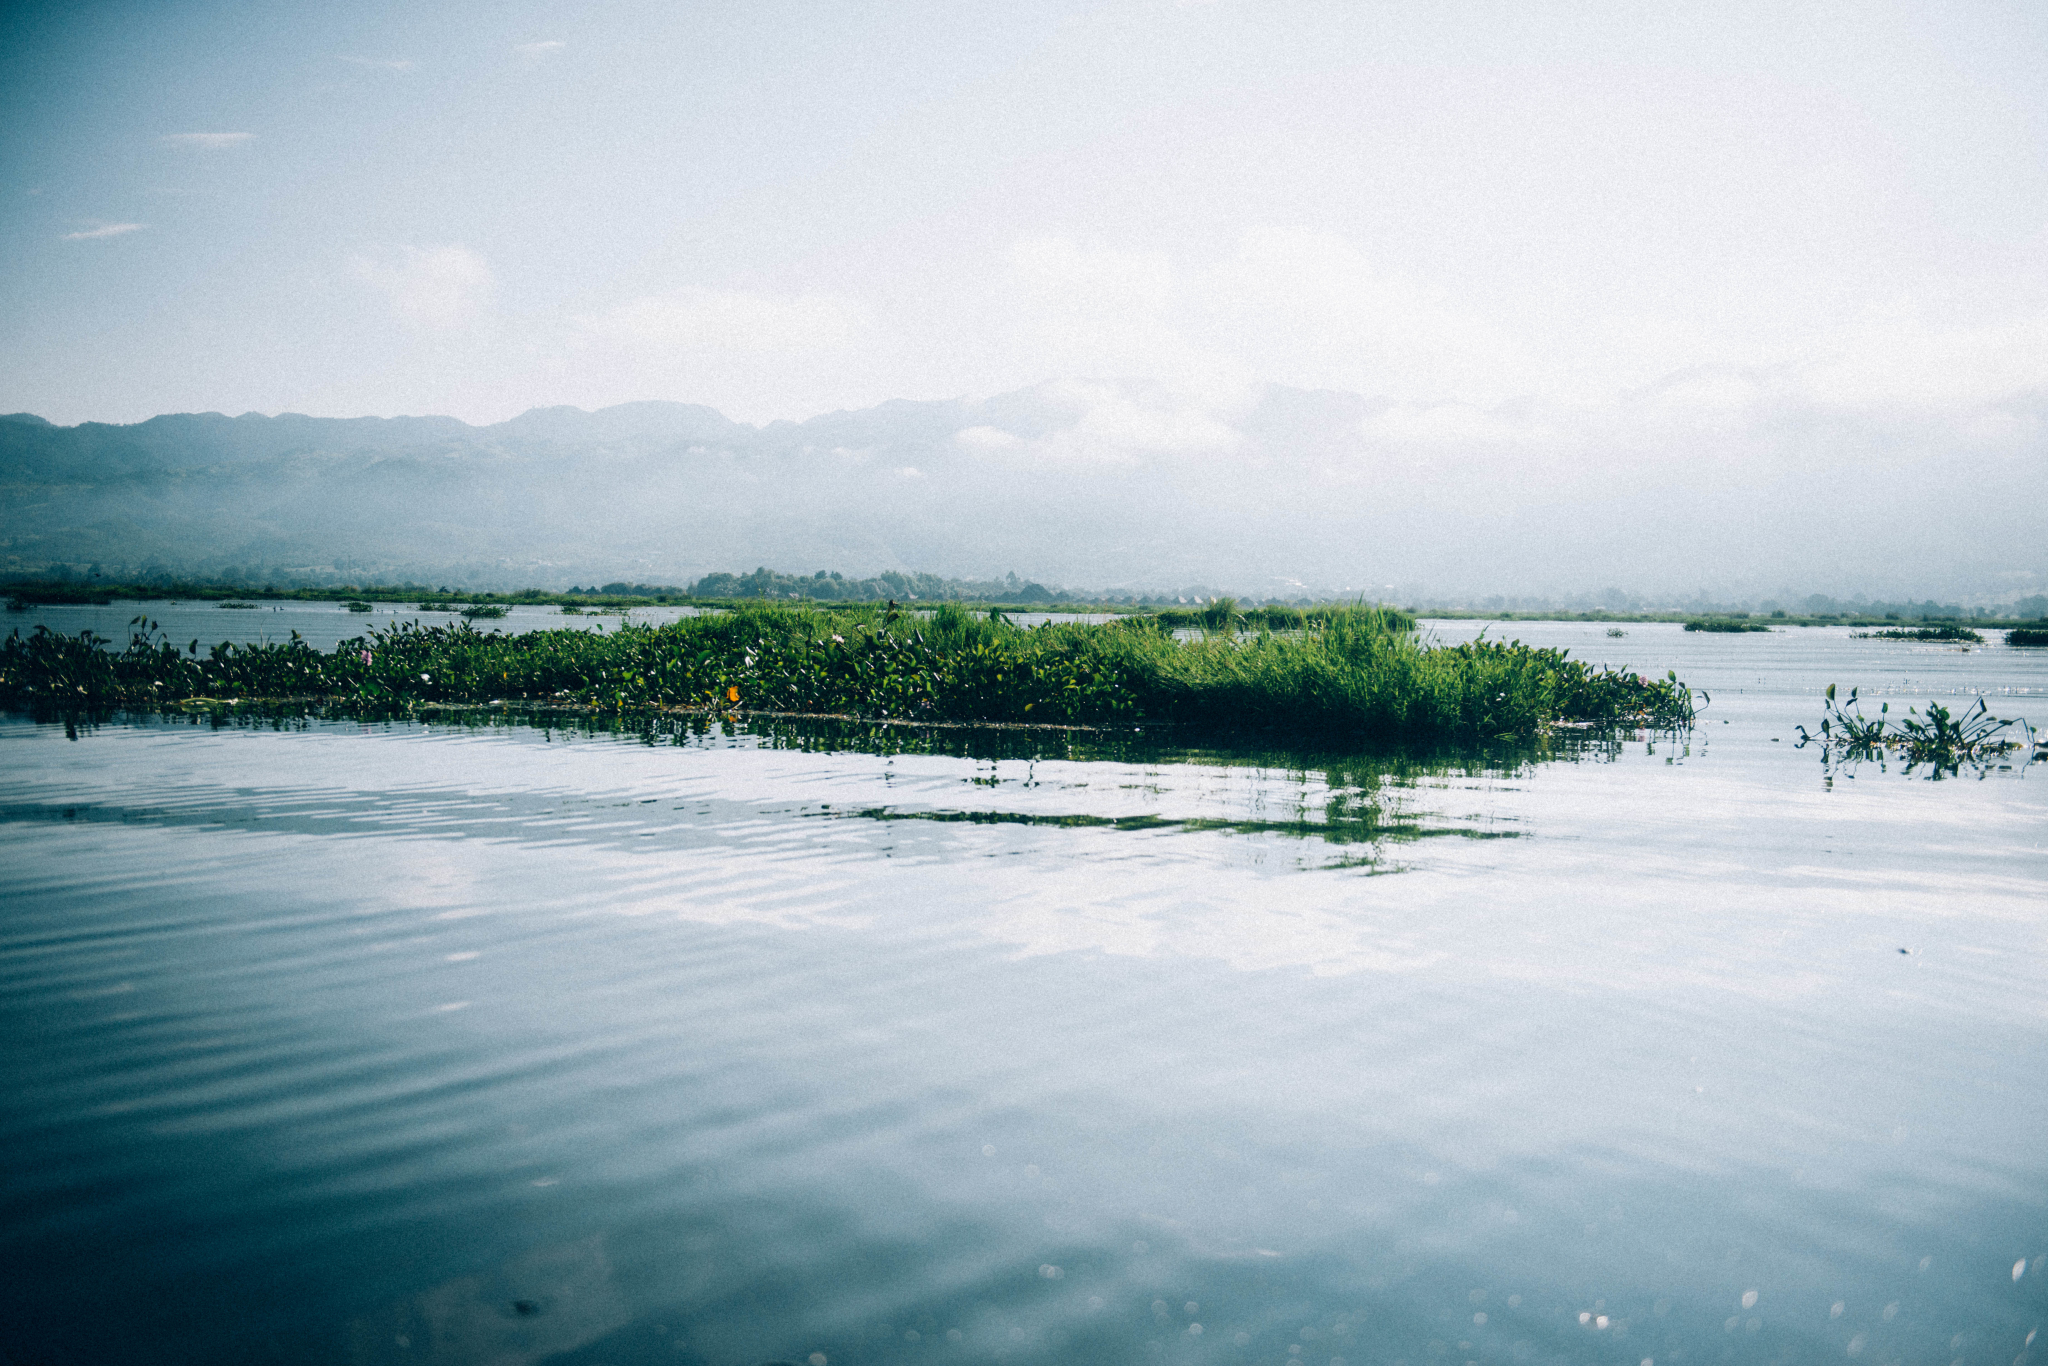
694	321
207	140
1122	281
393	64
1101	423
534	52
985	438
1088	309
1313	309
1433	426
104	230
437	289
745	352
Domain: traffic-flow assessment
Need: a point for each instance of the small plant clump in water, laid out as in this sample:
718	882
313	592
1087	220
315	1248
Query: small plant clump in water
1956	633
1728	624
1940	739
239	606
1360	674
2027	635
484	611
1615	632
357	605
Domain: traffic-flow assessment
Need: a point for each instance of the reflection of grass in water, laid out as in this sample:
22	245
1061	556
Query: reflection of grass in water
1356	800
1348	831
1960	633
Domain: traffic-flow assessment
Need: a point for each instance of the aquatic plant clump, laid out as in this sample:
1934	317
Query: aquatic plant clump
1727	624
1955	633
2027	635
1360	673
1940	738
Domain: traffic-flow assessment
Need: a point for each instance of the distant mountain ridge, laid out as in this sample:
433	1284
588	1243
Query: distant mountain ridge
1115	485
656	489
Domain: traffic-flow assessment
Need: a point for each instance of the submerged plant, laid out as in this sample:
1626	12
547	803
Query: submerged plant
1940	739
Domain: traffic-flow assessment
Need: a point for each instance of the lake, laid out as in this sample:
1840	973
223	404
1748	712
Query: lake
323	625
510	1043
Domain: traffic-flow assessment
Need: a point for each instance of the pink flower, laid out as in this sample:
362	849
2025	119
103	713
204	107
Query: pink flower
366	656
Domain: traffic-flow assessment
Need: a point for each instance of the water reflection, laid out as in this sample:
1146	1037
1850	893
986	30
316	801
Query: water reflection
767	1040
1345	798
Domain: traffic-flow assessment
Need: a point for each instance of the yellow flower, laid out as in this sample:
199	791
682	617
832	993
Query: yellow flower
732	694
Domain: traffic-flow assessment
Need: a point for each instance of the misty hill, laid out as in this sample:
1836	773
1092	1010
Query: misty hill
1098	484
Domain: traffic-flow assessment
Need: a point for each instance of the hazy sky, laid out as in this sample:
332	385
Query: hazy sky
1504	217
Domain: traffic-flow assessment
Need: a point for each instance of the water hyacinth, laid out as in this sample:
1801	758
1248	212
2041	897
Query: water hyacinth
1359	672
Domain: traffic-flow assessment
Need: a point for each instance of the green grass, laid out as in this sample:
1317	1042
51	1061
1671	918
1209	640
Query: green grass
358	605
1728	624
1360	673
2027	635
1958	633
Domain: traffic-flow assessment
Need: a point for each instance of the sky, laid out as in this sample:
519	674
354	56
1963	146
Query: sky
780	210
1636	253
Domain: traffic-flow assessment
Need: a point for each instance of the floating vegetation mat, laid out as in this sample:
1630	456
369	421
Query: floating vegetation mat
1358	674
1960	634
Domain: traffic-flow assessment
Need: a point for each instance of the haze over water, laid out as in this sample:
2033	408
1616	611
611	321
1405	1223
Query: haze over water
403	1042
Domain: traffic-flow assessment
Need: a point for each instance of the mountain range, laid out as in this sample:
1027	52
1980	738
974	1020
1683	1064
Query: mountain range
1103	484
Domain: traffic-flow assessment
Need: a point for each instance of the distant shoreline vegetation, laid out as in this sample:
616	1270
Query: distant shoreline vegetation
924	590
1358	673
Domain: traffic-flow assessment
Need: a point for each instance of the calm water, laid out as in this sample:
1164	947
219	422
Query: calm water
405	1043
322	625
